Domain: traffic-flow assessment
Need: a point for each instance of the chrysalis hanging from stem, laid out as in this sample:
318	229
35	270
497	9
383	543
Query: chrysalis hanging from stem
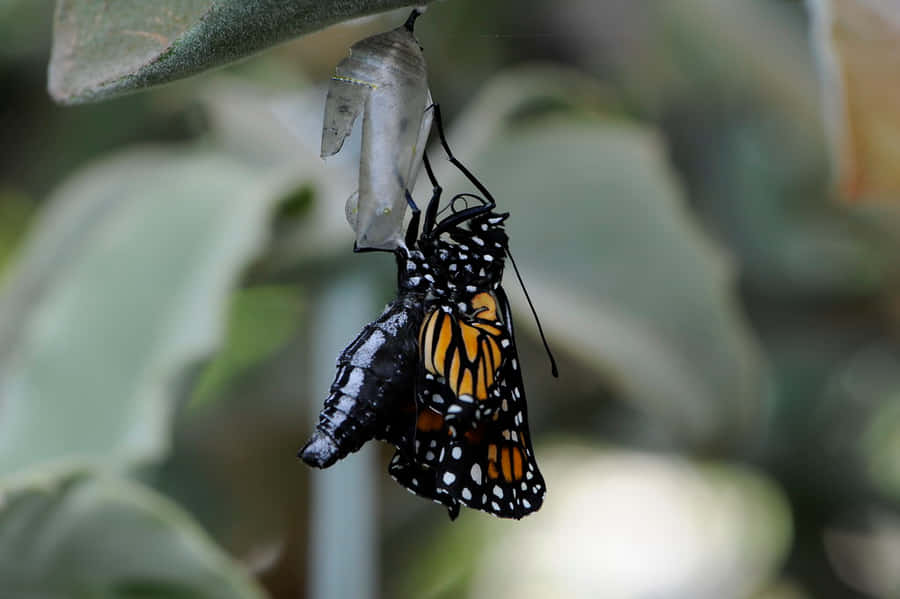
385	78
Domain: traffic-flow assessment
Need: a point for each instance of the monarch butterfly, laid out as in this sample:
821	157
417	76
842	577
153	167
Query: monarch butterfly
437	375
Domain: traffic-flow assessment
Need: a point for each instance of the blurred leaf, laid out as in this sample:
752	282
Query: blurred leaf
783	589
71	533
261	321
102	50
882	447
443	567
15	213
611	517
282	131
621	275
617	515
857	43
668	59
866	554
123	281
793	242
737	96
25	30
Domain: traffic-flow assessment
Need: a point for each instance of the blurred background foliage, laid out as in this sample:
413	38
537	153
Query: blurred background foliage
177	281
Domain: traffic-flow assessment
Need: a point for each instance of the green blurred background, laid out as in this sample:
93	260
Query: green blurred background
177	282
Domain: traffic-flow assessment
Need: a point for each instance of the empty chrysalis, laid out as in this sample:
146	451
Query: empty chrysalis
384	77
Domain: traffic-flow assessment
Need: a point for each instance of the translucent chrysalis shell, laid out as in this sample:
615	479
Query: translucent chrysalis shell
384	77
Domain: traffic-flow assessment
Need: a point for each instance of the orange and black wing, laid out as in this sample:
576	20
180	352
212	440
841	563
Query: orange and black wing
462	349
491	465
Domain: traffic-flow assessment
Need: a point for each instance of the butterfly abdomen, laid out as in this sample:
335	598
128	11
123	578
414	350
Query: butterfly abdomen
373	373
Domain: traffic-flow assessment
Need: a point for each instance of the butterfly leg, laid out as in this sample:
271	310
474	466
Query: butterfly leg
412	231
439	123
432	208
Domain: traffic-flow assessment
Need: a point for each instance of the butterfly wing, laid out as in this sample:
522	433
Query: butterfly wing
491	465
421	480
420	451
462	349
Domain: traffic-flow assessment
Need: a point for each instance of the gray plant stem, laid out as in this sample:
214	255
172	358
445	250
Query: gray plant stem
343	533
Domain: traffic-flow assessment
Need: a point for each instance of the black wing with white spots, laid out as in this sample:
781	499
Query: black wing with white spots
490	466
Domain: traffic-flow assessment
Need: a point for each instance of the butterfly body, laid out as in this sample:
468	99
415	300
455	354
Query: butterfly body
375	374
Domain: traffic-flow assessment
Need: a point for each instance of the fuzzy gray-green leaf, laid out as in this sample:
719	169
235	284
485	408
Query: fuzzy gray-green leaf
72	533
121	284
103	49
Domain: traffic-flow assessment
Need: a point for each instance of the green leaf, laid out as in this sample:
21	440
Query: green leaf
74	533
23	26
102	50
15	213
124	281
881	447
261	321
622	276
283	132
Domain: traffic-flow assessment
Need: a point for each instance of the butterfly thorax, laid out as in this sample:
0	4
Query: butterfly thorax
467	260
414	272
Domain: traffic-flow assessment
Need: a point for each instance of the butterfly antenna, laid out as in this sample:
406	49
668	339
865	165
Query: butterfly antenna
553	369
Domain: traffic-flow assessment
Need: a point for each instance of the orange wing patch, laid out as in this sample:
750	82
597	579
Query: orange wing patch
486	303
466	352
470	340
511	463
429	421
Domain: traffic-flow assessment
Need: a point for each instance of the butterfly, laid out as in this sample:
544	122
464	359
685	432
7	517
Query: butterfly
437	374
